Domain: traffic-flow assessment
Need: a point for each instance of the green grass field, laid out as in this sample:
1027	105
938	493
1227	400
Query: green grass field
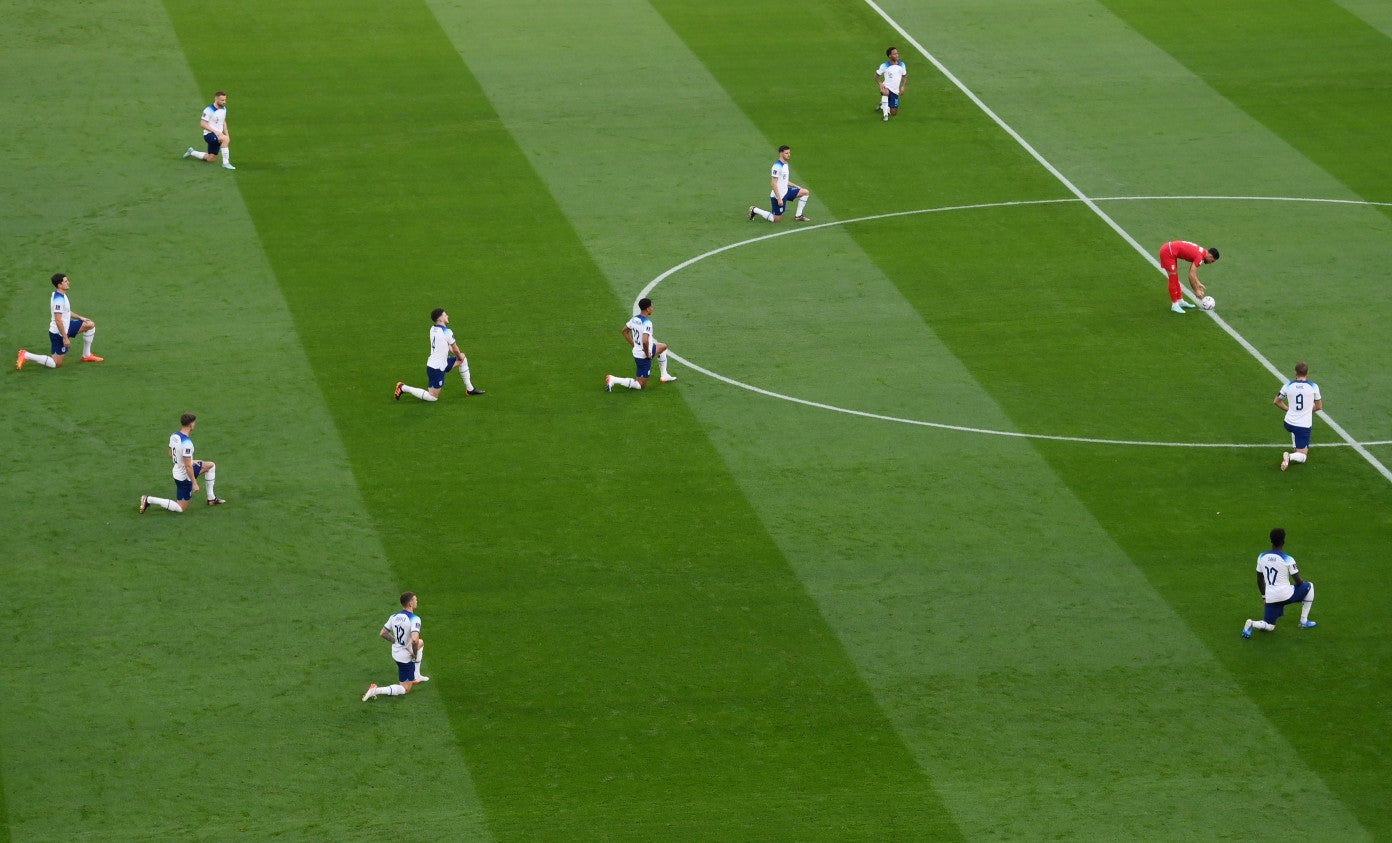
890	561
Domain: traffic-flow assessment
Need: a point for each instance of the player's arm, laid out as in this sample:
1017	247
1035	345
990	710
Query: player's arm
879	80
386	634
1319	404
773	188
1194	280
61	319
188	468
1261	584
415	644
648	345
1296	578
628	335
454	349
1280	401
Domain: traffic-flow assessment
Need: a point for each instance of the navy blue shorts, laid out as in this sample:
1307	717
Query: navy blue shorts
643	366
55	341
1274	611
778	207
436	377
214	145
183	489
406	672
893	103
1300	436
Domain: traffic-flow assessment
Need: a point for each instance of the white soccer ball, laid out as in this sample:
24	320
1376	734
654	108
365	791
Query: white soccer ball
1207	303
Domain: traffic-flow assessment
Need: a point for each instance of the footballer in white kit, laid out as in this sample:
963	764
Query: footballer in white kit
782	191
890	78
63	326
638	333
1300	399
1280	583
186	471
216	135
402	629
444	356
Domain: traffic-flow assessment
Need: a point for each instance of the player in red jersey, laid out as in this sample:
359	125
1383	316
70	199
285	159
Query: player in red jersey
1170	255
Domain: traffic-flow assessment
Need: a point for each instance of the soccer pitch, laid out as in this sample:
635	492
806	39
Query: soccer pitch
946	530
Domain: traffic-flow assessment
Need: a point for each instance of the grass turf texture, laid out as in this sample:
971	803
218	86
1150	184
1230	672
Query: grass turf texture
693	612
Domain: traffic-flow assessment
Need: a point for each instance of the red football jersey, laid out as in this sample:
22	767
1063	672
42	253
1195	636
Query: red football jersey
1183	249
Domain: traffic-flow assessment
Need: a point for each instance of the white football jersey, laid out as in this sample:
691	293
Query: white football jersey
1277	568
441	338
180	447
215	117
892	74
640	326
1300	397
401	625
61	313
780	172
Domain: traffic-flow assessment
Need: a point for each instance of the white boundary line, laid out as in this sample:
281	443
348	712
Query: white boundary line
651	285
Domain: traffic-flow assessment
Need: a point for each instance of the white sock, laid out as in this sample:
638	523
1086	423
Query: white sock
768	215
387	691
422	394
1307	604
172	506
1269	627
1296	456
208	479
662	363
628	383
226	152
41	358
802	205
884	106
464	373
87	342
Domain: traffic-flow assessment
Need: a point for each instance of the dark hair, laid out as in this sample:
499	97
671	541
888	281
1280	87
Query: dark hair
407	597
1278	538
1301	369
644	304
436	313
890	50
58	278
217	94
187	419
1213	252
784	148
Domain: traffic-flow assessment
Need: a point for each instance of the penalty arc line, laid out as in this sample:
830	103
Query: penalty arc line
1111	223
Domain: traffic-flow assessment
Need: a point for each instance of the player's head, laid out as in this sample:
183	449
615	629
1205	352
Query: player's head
187	419
408	599
220	98
892	53
1301	370
644	305
784	148
436	314
58	278
1278	538
1212	255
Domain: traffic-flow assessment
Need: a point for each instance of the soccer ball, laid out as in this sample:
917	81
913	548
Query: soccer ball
1207	303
